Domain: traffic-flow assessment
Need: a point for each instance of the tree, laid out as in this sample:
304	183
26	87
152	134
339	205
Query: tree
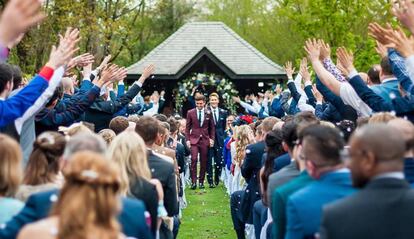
279	28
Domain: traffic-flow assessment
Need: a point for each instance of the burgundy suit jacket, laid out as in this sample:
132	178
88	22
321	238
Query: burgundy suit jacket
196	134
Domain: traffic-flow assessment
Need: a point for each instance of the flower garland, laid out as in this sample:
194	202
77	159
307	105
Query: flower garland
224	87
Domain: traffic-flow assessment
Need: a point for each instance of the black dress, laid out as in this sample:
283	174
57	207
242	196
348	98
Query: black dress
146	191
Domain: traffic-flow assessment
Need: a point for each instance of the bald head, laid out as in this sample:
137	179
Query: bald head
375	149
406	128
384	142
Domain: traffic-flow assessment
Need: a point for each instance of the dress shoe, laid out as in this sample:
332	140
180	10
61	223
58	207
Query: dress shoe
201	186
212	185
216	182
193	186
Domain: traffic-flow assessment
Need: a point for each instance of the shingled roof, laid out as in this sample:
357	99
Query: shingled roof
215	39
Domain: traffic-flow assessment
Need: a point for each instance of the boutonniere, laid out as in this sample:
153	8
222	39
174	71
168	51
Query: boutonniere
208	112
222	111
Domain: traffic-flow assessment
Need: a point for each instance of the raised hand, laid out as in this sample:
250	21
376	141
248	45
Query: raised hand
107	76
325	50
17	18
236	99
104	63
304	72
403	44
404	11
381	50
346	60
313	49
380	33
148	71
289	69
120	74
317	94
63	53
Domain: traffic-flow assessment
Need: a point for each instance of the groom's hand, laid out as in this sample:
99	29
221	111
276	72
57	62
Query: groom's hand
211	143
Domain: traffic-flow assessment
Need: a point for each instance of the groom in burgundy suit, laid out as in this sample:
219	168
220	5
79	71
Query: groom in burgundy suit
200	133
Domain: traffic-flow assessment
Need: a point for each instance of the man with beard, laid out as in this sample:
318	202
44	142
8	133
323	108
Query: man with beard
384	207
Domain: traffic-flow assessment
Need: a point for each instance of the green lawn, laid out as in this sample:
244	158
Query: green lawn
207	215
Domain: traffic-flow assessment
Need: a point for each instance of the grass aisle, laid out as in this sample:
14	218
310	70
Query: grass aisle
207	215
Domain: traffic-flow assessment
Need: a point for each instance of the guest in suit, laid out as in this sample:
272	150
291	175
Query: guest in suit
132	217
160	168
406	128
321	149
215	156
241	202
384	207
88	202
200	134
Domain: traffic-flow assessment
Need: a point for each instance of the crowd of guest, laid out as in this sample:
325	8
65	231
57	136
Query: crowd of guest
328	157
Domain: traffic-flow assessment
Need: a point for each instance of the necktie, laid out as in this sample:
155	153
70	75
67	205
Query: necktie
199	117
215	116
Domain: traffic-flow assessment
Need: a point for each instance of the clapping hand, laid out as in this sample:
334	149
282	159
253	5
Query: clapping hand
381	49
236	99
304	72
67	47
402	43
325	50
404	11
289	69
148	71
17	18
104	63
346	60
380	33
313	49
317	94
108	76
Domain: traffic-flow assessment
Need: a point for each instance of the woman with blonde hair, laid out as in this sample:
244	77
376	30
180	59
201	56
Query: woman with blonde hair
43	169
88	202
129	152
244	137
10	177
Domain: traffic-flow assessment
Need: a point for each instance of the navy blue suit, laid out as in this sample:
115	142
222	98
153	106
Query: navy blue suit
216	153
37	207
304	208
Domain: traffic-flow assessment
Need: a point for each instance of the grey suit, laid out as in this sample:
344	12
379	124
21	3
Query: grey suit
281	177
384	209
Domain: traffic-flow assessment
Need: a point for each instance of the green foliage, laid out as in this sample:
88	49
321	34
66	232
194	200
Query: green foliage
279	28
127	29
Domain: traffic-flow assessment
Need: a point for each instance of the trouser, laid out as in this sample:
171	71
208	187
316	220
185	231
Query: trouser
215	160
259	217
203	151
236	216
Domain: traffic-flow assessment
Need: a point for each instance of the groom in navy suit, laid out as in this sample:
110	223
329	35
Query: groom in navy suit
215	155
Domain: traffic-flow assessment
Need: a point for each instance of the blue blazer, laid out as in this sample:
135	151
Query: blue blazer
250	168
37	207
304	208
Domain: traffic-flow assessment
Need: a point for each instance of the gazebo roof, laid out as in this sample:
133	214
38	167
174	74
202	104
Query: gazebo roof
226	48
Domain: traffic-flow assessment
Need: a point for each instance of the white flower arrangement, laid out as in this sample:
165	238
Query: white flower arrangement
224	87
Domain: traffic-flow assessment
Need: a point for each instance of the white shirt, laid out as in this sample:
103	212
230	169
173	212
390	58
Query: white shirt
397	175
350	97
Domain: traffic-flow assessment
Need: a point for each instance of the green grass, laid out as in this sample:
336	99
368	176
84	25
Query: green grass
207	215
